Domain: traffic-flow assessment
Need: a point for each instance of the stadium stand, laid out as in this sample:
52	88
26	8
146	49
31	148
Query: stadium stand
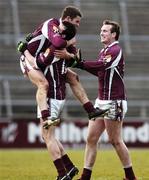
17	95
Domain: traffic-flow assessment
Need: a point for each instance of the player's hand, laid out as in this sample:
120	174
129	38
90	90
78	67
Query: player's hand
51	122
77	60
62	54
29	37
22	46
71	42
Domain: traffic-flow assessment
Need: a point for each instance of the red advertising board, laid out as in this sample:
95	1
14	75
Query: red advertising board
26	134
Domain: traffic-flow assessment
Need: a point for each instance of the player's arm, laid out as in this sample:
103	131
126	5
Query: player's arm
70	50
110	59
105	61
67	53
48	57
51	31
22	48
91	66
60	35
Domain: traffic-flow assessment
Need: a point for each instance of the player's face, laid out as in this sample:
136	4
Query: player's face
76	21
105	34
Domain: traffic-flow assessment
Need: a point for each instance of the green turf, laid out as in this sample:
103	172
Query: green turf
36	165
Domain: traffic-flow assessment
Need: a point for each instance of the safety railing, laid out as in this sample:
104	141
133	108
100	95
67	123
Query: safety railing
17	99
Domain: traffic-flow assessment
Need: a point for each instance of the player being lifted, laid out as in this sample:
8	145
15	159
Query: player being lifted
50	32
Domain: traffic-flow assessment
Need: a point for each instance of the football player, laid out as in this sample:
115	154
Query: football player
109	68
45	35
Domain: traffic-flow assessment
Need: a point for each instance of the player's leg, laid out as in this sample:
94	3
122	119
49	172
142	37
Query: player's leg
95	129
38	79
31	59
79	92
114	130
71	169
54	150
51	142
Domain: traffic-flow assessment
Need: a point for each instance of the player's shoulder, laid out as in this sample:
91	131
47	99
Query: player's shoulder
114	48
51	21
51	24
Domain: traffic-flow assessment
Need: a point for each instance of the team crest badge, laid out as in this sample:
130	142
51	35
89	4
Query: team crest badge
107	58
55	29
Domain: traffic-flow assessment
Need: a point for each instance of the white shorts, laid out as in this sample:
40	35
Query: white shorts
55	108
117	108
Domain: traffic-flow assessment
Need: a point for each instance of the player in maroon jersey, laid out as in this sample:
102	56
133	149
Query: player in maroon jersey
54	71
35	46
109	69
43	37
56	76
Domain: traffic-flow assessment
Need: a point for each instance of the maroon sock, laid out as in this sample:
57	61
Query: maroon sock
60	167
45	114
67	162
89	107
86	175
129	173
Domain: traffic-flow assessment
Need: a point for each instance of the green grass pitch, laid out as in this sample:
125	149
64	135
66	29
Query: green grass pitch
36	164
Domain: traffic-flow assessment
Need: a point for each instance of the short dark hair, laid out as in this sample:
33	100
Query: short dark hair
115	27
70	30
71	11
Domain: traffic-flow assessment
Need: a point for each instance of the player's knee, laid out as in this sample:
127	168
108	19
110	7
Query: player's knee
47	139
73	78
92	140
44	85
48	143
44	136
114	142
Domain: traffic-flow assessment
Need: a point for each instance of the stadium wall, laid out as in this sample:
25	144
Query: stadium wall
26	134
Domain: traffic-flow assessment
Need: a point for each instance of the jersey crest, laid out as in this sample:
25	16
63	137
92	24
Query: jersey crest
55	29
107	58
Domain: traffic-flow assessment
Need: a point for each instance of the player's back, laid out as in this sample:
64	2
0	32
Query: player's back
42	36
56	76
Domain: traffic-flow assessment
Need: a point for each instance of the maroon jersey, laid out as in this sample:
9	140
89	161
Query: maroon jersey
110	71
56	76
44	36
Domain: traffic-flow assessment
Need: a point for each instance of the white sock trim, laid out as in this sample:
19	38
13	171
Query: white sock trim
128	166
87	167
